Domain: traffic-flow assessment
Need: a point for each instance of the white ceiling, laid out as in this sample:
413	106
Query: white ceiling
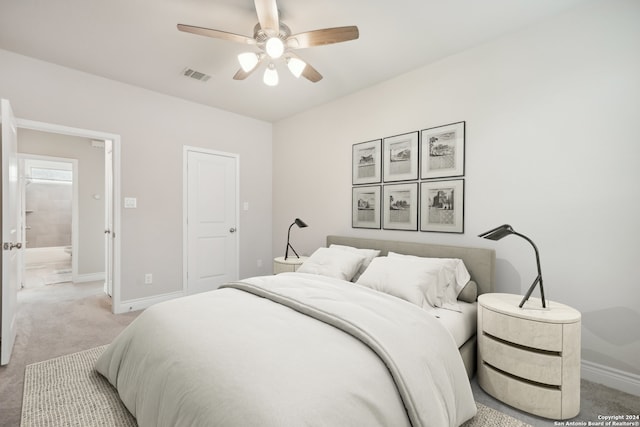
136	42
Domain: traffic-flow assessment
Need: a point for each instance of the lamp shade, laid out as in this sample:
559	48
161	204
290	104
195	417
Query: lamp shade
296	66
505	230
498	232
271	76
248	61
274	47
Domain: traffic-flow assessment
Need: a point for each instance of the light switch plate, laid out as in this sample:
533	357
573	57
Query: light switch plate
130	202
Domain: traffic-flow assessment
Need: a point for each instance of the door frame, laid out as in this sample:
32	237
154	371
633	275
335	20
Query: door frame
115	197
185	208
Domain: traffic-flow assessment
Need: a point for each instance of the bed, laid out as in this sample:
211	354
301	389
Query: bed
298	349
479	261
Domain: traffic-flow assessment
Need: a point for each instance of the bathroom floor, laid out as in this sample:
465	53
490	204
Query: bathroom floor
46	266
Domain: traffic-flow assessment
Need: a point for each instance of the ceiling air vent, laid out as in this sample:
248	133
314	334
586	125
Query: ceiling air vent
196	75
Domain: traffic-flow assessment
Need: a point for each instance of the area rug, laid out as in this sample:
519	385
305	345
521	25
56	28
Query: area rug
66	391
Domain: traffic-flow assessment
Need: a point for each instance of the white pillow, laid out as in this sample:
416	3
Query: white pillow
418	283
461	274
368	254
332	263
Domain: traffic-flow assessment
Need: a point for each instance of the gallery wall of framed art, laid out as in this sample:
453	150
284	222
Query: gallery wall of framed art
411	181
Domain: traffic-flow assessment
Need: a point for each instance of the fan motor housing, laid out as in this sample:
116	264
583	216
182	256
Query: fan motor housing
261	36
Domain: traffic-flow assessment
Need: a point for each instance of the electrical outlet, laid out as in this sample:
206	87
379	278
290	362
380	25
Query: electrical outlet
148	279
259	263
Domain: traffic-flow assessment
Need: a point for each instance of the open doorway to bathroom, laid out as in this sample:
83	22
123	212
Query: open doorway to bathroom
49	194
63	181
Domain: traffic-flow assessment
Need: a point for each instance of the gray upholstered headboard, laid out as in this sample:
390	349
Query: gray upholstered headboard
479	261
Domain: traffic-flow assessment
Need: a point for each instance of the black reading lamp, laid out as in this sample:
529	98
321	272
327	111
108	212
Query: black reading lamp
504	230
300	223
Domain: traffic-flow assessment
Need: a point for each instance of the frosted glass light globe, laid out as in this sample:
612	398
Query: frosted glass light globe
274	47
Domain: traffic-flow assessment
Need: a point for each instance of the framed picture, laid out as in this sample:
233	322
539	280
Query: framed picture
366	207
400	207
367	165
442	151
400	157
442	206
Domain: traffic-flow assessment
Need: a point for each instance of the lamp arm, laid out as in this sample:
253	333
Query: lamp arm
286	252
538	279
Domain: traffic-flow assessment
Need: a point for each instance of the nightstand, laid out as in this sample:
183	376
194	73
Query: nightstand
529	357
281	265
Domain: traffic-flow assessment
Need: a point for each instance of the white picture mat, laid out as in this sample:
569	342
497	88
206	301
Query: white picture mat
396	165
366	216
434	218
450	162
367	162
400	218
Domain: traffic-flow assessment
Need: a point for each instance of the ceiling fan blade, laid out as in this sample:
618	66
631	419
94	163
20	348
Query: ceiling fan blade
242	74
311	74
216	34
267	11
322	37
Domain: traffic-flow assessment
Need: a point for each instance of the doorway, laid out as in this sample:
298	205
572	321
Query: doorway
49	189
108	193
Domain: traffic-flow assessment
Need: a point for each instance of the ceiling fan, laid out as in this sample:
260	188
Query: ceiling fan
275	42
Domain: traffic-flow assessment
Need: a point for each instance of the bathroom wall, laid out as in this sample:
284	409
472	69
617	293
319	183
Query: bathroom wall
48	214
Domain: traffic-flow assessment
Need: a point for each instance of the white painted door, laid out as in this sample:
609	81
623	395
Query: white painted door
11	226
211	220
108	217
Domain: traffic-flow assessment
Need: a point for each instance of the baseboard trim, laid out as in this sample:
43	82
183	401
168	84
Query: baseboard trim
91	277
611	377
142	303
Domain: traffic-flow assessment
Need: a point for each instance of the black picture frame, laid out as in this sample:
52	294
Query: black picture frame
442	206
400	207
442	151
367	162
365	206
400	157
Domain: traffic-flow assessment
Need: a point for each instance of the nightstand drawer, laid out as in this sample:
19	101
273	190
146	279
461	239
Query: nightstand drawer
541	335
525	363
542	401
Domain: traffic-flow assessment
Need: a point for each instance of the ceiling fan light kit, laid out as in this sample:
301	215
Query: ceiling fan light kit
270	75
275	41
248	60
296	66
274	47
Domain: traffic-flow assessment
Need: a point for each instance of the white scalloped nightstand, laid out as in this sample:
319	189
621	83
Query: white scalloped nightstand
281	265
529	357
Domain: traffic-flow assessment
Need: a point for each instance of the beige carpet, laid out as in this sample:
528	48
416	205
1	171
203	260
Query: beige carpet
66	391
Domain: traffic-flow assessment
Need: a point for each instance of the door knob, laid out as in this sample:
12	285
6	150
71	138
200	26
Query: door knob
232	230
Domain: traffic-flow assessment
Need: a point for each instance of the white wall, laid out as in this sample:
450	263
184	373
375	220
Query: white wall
553	118
153	130
90	181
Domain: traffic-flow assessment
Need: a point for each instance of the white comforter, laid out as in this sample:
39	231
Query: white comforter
289	350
